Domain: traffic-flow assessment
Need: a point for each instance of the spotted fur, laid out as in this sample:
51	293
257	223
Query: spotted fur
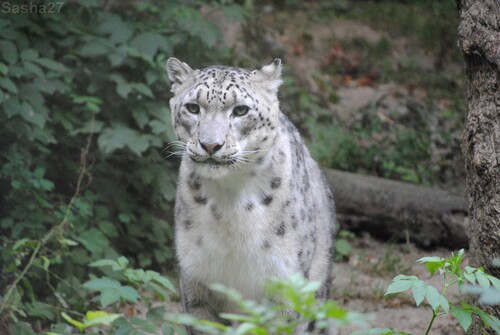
251	202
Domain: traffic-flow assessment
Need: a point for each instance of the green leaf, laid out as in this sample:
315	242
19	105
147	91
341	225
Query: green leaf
431	259
463	316
8	51
91	315
122	262
3	69
432	263
159	127
482	279
147	43
51	86
94	48
116	58
400	283
93	107
14	107
8	85
109	297
68	242
51	64
245	328
93	126
29	54
191	21
84	99
140	143
101	284
443	302
115	138
103	263
93	240
343	247
114	25
97	318
434	298
418	291
495	282
22	243
166	185
128	293
21	328
77	324
470	274
40	310
160	291
156	314
123	89
166	283
488	319
35	69
310	287
143	89
124	217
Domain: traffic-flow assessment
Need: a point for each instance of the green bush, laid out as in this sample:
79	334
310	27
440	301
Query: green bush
84	120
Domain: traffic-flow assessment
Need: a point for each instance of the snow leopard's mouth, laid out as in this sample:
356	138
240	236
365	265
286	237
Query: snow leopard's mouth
211	161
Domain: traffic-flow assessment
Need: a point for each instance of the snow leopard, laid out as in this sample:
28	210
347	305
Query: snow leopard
251	203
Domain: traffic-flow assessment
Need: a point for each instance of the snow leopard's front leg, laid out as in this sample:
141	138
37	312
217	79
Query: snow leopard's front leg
199	301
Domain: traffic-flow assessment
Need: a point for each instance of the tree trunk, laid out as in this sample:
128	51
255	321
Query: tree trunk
392	209
479	39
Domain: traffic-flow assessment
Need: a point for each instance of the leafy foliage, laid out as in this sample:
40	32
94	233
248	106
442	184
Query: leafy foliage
453	274
372	148
84	119
92	319
111	290
291	306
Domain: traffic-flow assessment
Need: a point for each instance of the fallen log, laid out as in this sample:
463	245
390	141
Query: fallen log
396	210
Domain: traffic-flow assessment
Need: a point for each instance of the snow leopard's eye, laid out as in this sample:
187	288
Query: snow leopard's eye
240	110
193	108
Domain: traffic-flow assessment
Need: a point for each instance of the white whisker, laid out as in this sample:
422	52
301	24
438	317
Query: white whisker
243	157
178	146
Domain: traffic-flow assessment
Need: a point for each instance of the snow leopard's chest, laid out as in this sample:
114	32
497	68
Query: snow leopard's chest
231	230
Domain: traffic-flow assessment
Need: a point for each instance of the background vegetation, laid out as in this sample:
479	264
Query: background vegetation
84	123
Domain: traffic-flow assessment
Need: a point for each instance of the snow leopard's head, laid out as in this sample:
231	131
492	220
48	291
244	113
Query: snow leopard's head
225	117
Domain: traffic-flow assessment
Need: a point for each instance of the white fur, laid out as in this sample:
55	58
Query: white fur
219	238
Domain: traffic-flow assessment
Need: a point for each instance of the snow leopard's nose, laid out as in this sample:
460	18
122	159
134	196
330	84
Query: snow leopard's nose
211	147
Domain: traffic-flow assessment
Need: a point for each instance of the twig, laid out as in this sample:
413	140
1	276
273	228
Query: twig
56	229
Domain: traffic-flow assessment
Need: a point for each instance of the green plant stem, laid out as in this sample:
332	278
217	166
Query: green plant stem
55	230
434	315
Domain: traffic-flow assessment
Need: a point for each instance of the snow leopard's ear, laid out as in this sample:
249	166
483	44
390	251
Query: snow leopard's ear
177	71
270	75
